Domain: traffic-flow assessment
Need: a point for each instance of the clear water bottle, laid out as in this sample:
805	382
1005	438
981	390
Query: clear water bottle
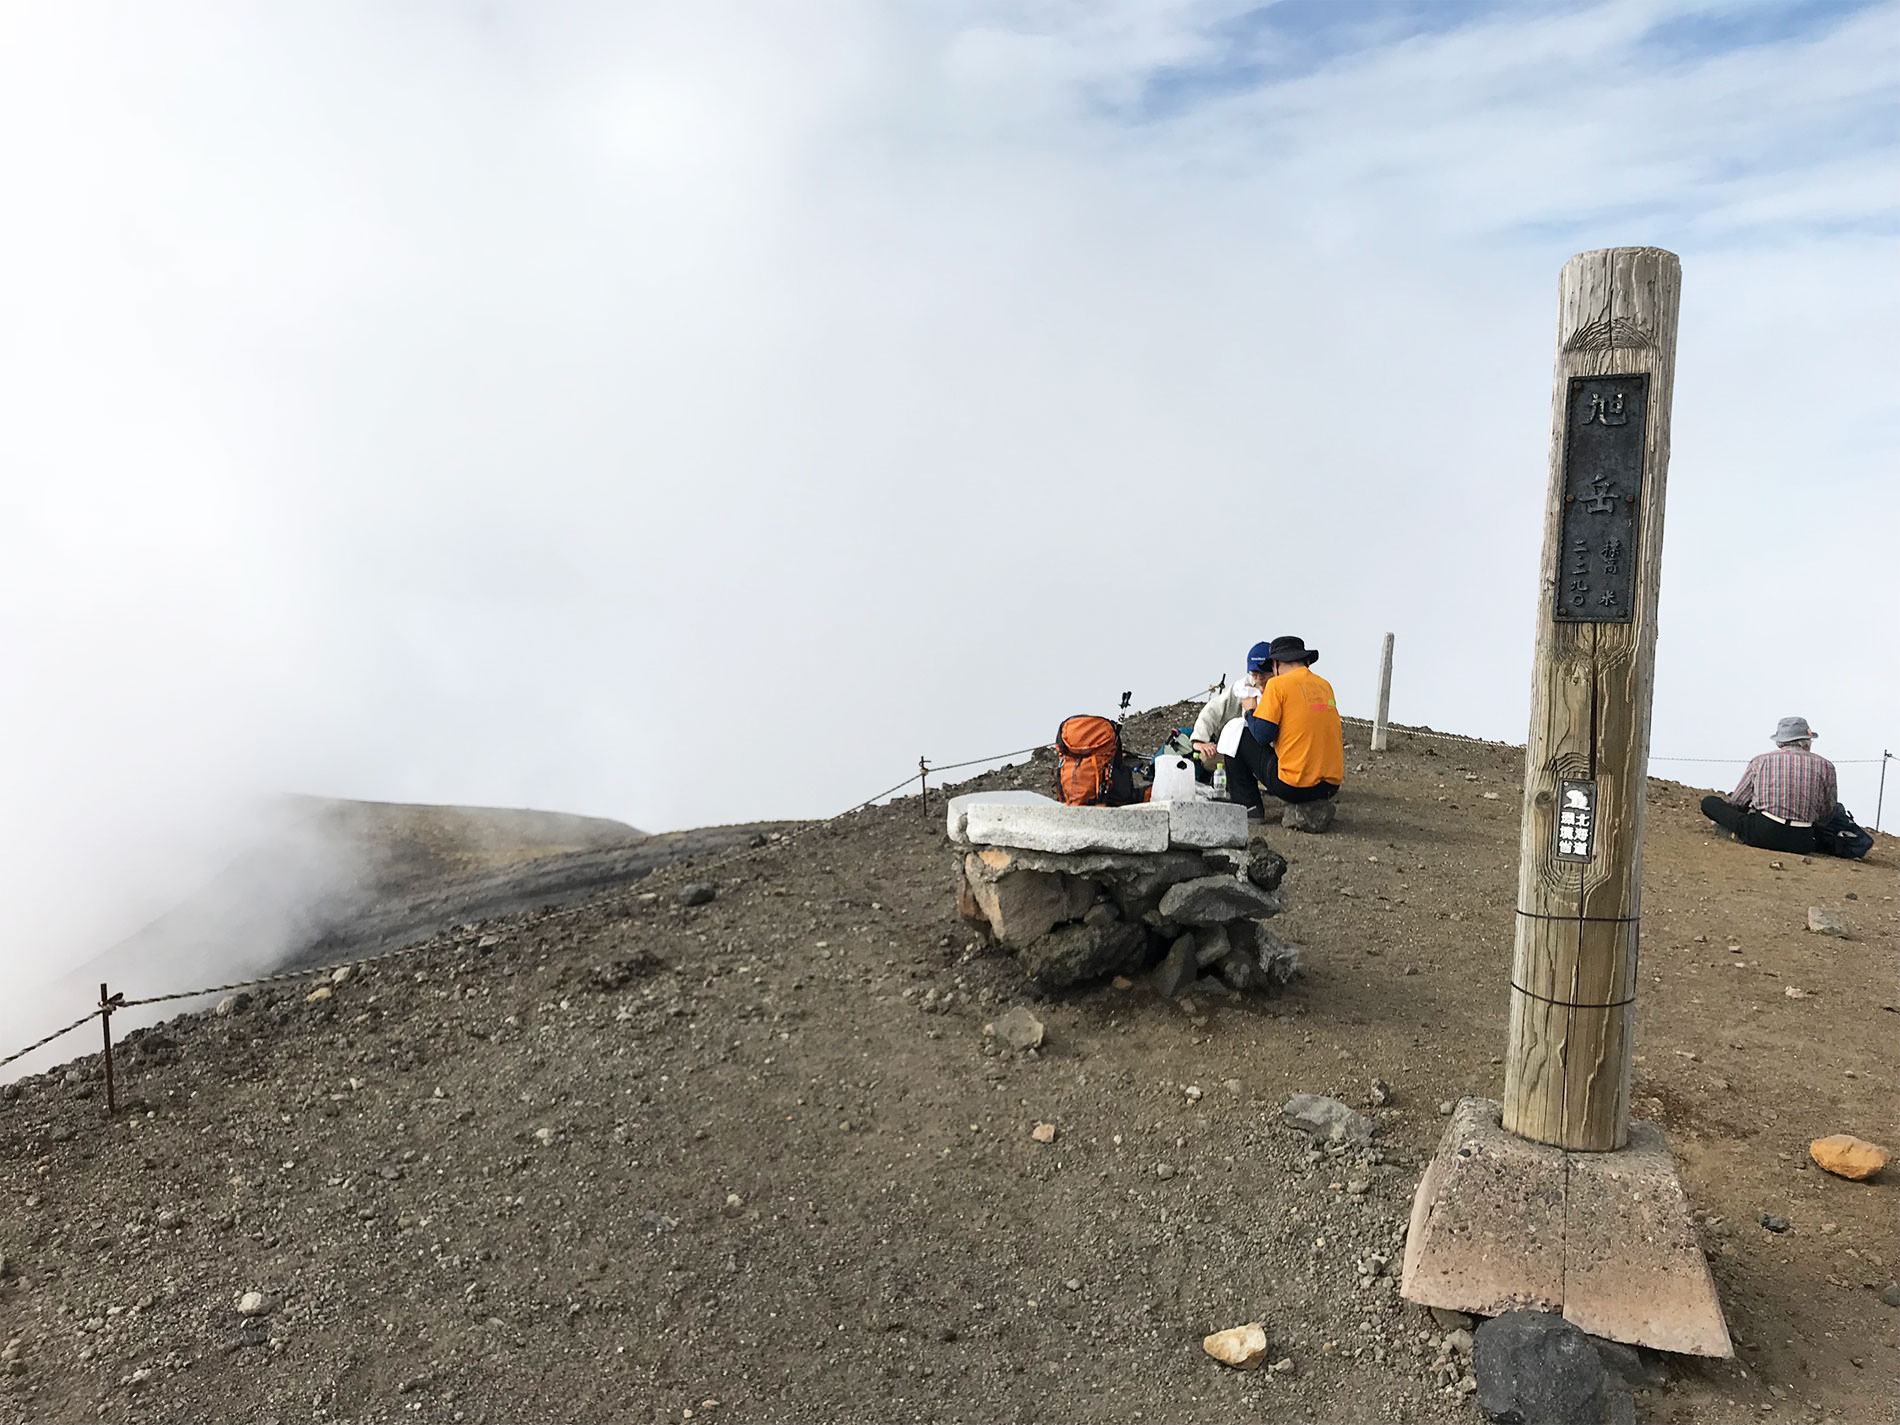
1220	783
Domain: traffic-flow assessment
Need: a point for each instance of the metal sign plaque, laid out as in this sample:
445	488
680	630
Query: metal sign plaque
1603	498
1577	821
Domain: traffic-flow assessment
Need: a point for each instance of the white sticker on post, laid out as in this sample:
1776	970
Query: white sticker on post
1576	821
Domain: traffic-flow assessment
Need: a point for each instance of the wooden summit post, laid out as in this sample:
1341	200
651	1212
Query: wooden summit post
1573	978
1554	1200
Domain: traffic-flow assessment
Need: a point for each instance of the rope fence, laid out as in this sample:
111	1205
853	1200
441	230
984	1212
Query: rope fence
666	875
83	1020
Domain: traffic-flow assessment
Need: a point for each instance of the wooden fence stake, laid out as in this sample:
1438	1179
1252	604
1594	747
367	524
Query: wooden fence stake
923	787
106	1003
1573	981
1385	697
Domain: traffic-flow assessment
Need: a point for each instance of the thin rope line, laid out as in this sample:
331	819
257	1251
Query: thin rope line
1738	761
978	761
42	1043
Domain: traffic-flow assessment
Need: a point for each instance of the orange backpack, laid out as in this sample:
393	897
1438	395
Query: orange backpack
1091	769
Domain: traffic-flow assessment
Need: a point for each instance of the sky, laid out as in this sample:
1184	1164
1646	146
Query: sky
694	412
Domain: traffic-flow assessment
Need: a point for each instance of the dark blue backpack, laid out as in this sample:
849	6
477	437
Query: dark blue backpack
1840	835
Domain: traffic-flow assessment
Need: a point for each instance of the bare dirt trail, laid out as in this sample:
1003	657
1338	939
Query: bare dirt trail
635	1157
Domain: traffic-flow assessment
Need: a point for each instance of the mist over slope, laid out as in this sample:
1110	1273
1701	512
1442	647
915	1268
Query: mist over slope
328	878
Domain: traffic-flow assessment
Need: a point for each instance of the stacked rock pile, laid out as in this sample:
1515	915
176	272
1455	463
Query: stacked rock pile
1081	893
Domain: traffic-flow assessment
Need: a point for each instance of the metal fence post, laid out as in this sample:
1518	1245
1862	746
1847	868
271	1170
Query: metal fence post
106	1003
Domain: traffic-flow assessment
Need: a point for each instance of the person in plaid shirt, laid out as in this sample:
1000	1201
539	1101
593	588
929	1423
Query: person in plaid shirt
1782	796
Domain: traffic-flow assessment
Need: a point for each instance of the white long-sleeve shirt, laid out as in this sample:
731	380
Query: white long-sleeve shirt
1220	710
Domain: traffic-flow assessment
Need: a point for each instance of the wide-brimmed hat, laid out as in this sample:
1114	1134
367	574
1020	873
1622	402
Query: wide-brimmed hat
1292	650
1793	729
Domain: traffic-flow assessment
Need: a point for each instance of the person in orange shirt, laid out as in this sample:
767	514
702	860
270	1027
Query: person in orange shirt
1293	747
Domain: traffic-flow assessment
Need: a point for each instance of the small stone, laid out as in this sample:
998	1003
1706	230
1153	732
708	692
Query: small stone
1453	1320
232	1004
252	1303
1242	1347
1536	1366
1489	796
1636	1366
698	893
1326	1118
1283	1366
1826	922
489	942
1846	1156
1313	817
1216	900
1019	1029
1193	1092
1212	944
321	992
1380	1093
1890	1294
1445	1107
1176	970
1796	992
545	1136
1773	1222
341	974
1122	982
1358	1187
734	1204
1072	1284
1164	1171
1043	1133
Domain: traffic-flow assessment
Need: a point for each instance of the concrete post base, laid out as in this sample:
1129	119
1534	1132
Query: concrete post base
1501	1222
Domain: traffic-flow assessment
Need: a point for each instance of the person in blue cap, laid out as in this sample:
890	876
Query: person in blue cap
1229	703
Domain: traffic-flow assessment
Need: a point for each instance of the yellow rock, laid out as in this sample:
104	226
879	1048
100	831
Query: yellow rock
321	992
1043	1133
1242	1347
1846	1156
